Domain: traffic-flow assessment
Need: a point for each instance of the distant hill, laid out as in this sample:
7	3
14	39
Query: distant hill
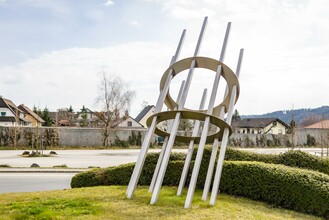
299	115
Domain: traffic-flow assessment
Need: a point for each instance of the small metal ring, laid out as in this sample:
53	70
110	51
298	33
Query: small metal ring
168	115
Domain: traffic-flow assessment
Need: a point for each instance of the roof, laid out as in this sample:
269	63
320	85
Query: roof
143	112
256	122
11	106
115	124
27	110
324	124
7	119
3	103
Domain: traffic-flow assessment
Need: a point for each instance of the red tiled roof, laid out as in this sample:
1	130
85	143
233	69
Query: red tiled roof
322	125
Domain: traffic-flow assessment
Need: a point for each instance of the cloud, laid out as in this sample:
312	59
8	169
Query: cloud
109	3
135	23
71	76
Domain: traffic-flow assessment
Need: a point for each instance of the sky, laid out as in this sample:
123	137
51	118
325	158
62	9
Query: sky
53	52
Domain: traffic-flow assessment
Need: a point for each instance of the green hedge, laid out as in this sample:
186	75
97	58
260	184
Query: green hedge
292	188
292	158
301	190
298	189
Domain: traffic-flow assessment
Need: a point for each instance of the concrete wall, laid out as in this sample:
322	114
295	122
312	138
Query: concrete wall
73	136
63	136
92	136
321	136
259	140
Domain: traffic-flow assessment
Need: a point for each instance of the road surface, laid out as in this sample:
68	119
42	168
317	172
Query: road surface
28	182
31	182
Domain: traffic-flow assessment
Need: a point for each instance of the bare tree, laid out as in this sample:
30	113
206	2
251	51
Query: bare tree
115	99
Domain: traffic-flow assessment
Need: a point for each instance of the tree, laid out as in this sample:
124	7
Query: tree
70	109
236	116
114	99
37	111
292	131
46	117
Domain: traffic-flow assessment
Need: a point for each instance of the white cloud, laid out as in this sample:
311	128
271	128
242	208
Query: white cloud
135	23
286	52
109	3
70	76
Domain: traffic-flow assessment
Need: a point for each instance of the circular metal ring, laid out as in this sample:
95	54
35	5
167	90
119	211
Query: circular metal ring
206	63
168	115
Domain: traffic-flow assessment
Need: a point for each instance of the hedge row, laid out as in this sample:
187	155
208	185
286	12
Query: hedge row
293	158
297	189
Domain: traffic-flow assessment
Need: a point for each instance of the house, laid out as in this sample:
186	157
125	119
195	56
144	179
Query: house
31	116
324	124
87	118
62	117
260	126
129	122
144	115
10	115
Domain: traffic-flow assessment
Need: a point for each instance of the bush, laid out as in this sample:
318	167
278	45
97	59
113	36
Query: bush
296	189
297	158
88	178
4	166
301	190
310	140
292	188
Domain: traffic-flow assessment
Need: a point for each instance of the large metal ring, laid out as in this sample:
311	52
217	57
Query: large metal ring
168	115
206	63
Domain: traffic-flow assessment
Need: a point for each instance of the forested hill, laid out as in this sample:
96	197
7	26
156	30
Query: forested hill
303	116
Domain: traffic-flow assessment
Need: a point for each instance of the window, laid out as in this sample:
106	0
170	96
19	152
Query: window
3	114
129	124
274	123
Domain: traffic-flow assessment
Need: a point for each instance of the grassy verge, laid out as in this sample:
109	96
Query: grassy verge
109	202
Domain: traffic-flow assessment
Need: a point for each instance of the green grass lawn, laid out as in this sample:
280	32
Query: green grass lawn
109	202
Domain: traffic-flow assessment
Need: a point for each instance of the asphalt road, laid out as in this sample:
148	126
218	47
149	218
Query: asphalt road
31	182
71	158
28	182
102	158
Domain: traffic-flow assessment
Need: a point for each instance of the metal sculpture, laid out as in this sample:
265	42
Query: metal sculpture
213	115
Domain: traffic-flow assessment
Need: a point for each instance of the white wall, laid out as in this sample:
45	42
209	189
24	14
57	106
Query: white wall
8	112
134	124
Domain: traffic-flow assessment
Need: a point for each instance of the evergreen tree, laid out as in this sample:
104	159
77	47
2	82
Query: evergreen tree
46	117
83	110
236	116
70	109
37	111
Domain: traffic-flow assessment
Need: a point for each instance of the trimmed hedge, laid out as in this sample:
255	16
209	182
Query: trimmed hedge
301	190
292	188
292	158
297	189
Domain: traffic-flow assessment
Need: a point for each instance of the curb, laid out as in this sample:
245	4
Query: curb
40	170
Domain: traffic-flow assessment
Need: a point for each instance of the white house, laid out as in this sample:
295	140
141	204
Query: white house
10	115
260	126
145	114
128	123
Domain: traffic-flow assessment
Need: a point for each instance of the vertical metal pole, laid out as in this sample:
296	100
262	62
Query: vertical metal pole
190	148
202	143
227	33
221	116
174	129
157	167
220	163
146	142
